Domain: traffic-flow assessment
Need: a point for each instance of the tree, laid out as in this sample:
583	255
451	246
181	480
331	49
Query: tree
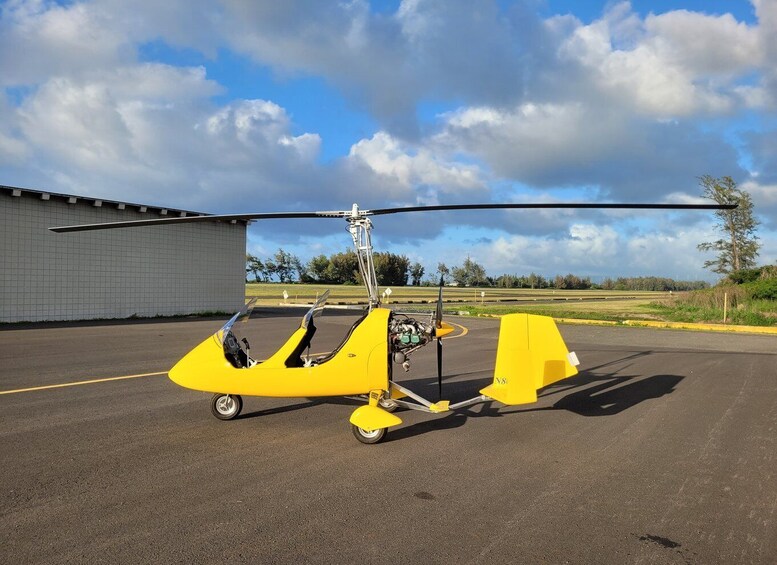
254	266
416	273
470	273
391	269
316	270
444	272
536	281
739	246
343	268
285	265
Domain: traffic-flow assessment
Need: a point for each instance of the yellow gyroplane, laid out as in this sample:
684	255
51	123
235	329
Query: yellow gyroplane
531	353
362	365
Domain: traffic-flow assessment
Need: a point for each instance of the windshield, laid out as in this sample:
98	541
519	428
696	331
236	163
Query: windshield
316	310
241	316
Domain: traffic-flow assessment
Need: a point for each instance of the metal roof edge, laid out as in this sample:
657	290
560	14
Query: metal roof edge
118	204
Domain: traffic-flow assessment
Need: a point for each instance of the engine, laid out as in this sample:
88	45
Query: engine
406	335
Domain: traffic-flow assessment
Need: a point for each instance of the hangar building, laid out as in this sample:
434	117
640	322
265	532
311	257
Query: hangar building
148	271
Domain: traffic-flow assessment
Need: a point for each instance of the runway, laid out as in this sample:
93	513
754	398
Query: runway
662	450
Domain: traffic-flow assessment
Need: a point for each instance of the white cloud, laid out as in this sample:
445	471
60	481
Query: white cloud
585	246
13	149
763	194
388	157
674	64
704	44
79	124
40	39
764	197
573	144
598	251
147	132
668	252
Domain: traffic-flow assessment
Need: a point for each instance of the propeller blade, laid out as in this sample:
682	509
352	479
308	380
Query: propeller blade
438	313
439	368
438	325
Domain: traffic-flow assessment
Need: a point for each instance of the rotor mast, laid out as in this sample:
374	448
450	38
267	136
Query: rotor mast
360	227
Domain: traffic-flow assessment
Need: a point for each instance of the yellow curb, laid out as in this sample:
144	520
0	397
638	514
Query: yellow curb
586	322
705	327
765	330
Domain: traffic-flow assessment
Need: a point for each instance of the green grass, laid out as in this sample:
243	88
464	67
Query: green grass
740	316
700	306
613	310
272	293
708	305
609	305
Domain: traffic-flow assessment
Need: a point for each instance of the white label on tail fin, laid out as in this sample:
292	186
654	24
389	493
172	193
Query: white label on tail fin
573	360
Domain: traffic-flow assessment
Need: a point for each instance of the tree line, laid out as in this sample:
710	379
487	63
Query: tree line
339	268
397	270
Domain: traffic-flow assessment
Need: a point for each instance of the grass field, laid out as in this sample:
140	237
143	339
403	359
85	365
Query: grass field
305	293
594	304
610	305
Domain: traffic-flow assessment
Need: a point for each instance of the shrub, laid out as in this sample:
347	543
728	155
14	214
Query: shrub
769	272
762	289
745	275
711	298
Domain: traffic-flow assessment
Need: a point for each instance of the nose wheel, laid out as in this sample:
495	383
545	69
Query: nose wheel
375	436
226	406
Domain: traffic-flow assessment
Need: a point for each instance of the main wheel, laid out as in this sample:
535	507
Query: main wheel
226	406
375	436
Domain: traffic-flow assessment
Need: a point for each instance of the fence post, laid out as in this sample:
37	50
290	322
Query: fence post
725	306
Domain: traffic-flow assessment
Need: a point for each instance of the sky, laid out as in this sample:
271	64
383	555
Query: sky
260	106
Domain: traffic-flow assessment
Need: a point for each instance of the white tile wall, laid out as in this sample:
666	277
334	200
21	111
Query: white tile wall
159	270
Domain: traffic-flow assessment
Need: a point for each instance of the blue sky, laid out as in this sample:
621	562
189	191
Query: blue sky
307	105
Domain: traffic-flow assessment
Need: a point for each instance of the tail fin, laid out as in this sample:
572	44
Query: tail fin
531	354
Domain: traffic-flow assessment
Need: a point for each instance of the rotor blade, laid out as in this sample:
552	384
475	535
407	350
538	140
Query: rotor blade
439	368
193	219
355	213
556	205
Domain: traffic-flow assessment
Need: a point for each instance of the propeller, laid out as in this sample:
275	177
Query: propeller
438	326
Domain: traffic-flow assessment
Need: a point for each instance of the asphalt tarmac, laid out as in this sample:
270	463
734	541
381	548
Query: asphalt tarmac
662	450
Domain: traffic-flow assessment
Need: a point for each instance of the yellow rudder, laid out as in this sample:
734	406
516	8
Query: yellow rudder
531	354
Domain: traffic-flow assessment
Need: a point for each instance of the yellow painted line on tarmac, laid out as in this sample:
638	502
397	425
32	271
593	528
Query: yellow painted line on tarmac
464	331
78	383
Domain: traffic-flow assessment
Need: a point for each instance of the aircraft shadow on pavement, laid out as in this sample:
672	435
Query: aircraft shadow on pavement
588	394
612	395
615	394
306	403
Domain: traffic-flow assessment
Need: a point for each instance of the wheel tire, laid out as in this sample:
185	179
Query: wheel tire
226	406
375	436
